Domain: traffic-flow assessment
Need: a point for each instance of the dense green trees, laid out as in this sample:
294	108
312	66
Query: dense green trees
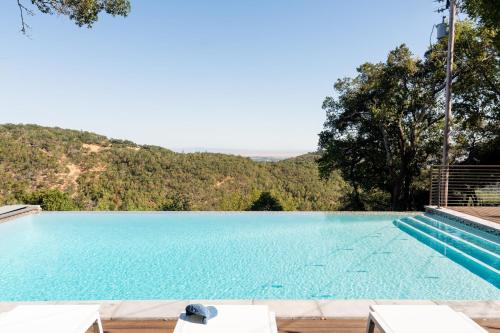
266	202
176	202
384	127
102	174
476	96
486	13
50	199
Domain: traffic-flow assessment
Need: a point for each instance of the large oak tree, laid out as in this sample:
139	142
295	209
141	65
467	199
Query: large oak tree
486	13
384	126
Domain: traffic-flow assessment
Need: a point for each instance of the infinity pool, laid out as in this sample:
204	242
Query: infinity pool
108	256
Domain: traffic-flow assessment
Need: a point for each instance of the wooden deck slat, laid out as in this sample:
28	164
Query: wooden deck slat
284	326
488	213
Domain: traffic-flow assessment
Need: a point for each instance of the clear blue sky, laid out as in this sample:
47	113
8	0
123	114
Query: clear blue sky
240	75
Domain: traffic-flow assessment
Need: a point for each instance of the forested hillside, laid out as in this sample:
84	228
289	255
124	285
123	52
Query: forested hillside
88	171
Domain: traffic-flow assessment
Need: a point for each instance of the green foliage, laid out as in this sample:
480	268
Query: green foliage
50	199
176	202
266	202
476	94
83	12
103	174
385	126
487	13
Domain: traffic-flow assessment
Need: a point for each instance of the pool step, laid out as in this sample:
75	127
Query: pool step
464	232
465	226
472	249
471	263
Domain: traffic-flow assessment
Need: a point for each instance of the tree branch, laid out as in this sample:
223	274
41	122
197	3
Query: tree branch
22	9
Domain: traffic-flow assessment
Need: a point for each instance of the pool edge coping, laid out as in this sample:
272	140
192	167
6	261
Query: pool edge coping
284	309
470	220
21	210
36	209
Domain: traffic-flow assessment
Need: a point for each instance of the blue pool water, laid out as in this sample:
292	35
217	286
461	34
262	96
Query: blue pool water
97	256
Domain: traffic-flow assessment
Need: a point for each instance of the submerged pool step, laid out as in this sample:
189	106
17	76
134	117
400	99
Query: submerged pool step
474	265
476	251
461	232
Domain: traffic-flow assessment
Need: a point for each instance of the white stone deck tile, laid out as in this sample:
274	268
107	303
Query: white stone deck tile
7	306
222	301
149	309
292	309
404	302
475	309
106	309
345	308
127	310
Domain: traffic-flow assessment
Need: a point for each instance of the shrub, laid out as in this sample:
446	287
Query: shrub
176	202
51	200
267	202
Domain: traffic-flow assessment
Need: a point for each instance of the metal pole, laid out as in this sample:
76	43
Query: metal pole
447	114
432	185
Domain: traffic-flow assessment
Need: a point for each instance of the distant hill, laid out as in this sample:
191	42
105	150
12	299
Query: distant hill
266	158
97	173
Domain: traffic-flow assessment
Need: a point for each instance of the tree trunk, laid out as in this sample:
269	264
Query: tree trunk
407	191
396	194
357	204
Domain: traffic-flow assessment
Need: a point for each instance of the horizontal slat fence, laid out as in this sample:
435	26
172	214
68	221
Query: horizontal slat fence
465	185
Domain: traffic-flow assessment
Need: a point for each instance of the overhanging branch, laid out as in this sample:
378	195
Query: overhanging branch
24	10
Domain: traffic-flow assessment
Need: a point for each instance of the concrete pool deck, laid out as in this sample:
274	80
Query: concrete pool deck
284	309
10	212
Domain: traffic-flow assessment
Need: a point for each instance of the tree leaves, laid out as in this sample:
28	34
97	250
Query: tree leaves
266	202
384	126
82	12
